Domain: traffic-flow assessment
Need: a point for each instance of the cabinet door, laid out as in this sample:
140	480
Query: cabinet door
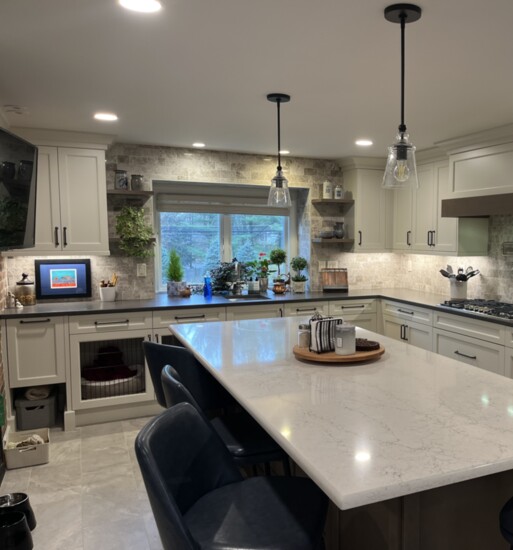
83	197
36	351
367	321
446	230
470	350
424	209
48	216
370	217
416	334
402	224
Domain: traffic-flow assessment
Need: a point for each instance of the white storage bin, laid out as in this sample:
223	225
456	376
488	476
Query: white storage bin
26	456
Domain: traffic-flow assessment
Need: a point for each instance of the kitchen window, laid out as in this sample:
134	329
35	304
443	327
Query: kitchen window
208	223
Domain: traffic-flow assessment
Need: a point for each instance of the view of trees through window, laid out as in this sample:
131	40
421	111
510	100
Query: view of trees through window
197	239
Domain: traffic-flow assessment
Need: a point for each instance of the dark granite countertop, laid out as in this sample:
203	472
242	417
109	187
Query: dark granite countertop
162	302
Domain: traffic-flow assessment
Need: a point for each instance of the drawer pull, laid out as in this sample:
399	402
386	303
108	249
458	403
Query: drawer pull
465	355
111	323
353	307
406	311
22	322
184	318
300	309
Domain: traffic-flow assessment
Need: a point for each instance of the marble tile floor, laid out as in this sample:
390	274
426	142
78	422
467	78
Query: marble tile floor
90	496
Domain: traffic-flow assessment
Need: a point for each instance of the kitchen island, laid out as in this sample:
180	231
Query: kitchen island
415	450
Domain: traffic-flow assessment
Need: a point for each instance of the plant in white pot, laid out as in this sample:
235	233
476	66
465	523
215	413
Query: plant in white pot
175	283
298	280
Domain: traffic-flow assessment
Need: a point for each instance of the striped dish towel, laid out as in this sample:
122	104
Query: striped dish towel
322	333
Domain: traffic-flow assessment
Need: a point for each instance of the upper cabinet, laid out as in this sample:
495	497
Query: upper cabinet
369	217
418	226
71	204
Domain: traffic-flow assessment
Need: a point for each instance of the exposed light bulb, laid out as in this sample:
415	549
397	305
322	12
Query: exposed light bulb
401	171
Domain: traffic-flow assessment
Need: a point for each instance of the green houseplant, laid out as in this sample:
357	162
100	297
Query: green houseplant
135	234
278	256
298	280
175	283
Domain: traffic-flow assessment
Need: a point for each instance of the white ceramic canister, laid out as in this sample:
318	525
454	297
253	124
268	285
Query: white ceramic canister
327	190
345	339
339	192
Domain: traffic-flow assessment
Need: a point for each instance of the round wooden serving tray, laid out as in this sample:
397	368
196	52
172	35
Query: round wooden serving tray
332	357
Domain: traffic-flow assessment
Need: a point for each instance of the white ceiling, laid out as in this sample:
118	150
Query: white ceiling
200	70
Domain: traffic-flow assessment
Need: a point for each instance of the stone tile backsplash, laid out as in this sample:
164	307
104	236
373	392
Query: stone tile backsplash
374	271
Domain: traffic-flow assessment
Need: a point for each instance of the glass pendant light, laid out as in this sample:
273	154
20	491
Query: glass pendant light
279	194
401	170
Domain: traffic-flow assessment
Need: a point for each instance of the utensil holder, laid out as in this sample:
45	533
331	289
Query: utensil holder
458	289
107	293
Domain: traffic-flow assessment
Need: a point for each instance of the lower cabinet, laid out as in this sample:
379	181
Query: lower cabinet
305	308
472	351
415	334
162	320
36	350
238	313
361	313
107	360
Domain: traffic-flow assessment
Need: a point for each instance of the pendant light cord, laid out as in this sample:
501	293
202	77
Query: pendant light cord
279	134
402	127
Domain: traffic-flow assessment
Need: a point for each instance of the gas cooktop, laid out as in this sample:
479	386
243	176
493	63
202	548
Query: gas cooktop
485	307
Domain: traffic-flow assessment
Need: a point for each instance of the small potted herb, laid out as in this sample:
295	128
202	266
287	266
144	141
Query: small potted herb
175	283
298	281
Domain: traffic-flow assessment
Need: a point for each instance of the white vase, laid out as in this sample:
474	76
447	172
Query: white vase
175	287
298	287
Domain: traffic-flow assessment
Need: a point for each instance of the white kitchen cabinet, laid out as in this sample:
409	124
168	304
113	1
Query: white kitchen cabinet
418	226
370	215
100	344
416	334
71	203
301	309
472	351
162	319
259	311
481	171
36	350
472	328
361	313
411	324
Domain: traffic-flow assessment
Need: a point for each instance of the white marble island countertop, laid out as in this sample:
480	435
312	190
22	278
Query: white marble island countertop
411	421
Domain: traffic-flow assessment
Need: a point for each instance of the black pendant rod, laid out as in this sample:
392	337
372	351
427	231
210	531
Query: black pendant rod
278	99
279	134
402	126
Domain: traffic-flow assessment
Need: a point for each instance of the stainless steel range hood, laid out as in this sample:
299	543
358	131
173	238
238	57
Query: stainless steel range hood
476	207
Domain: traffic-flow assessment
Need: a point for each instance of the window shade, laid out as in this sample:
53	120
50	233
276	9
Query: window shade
214	197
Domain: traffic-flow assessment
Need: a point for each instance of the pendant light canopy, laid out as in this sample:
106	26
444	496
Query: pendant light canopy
401	170
279	194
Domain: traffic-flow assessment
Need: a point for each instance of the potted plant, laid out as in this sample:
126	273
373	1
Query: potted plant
135	234
298	281
175	283
278	257
260	270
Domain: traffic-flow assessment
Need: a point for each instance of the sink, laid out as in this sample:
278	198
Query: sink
246	298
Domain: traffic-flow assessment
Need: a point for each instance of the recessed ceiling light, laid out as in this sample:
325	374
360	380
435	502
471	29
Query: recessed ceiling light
109	117
198	144
284	152
363	142
143	6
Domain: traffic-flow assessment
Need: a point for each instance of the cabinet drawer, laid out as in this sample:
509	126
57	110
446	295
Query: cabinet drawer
352	307
406	312
82	324
192	315
305	308
268	310
508	336
473	328
479	354
367	321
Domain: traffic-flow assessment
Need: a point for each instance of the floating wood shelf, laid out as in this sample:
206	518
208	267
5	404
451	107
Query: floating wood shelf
347	202
333	241
118	197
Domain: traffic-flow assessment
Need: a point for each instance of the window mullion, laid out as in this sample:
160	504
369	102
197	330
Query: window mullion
226	238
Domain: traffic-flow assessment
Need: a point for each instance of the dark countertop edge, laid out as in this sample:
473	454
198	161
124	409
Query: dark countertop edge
163	302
